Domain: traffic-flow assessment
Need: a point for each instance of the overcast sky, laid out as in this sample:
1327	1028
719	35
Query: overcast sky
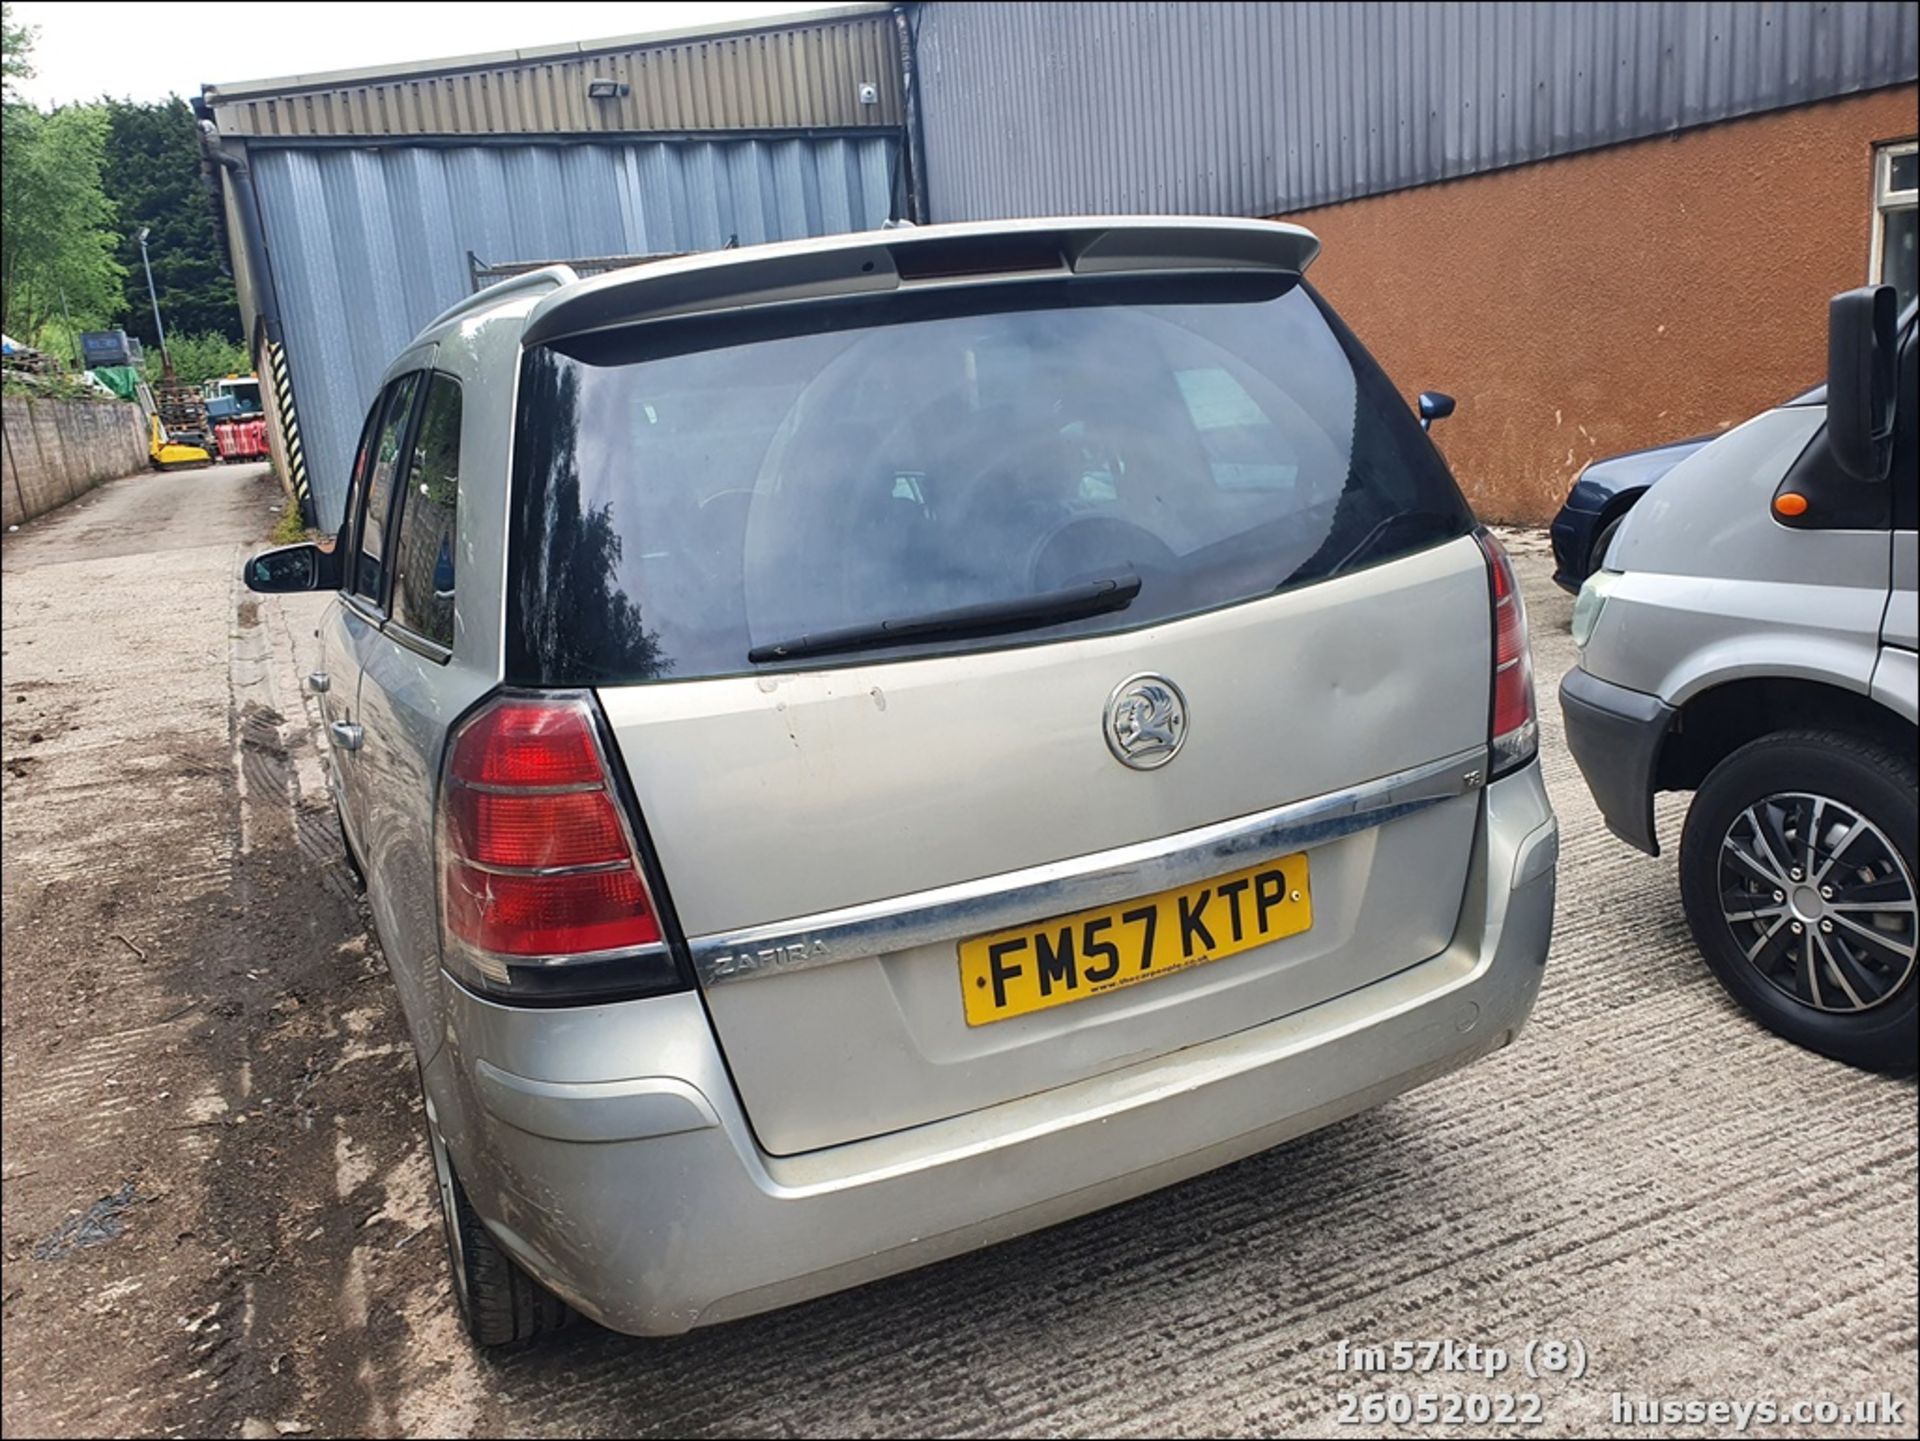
144	51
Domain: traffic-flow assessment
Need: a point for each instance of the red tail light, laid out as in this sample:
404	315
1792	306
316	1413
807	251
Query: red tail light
1514	736
542	891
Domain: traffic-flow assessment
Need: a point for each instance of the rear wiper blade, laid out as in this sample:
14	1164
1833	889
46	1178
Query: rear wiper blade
994	617
1381	531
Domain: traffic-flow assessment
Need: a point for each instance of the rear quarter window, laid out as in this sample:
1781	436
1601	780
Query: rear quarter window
370	571
686	492
423	571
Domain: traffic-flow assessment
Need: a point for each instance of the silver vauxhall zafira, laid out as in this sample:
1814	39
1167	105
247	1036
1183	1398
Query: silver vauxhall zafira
862	748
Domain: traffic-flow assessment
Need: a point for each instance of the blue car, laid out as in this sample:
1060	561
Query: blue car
1600	499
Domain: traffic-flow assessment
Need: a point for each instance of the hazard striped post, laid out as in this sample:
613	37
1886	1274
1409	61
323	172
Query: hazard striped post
290	429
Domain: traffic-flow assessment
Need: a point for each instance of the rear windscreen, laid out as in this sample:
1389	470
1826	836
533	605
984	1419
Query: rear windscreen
687	491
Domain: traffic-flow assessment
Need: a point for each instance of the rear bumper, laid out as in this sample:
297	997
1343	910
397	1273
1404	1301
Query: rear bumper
646	1203
1615	736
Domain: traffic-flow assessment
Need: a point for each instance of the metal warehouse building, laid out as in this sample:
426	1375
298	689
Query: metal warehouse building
360	204
1600	226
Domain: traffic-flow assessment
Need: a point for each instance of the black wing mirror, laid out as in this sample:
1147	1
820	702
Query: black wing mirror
288	568
1860	380
1434	405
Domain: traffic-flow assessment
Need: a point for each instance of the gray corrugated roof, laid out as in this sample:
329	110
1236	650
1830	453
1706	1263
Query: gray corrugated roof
796	71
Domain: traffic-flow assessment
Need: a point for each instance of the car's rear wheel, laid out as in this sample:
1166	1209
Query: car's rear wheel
499	1303
354	868
1797	870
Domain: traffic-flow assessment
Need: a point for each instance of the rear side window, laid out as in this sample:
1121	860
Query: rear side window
369	572
686	492
357	478
423	567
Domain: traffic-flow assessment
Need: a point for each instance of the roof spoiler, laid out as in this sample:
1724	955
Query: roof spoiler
534	282
871	262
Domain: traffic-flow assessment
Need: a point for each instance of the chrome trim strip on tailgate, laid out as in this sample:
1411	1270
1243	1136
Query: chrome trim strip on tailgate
992	903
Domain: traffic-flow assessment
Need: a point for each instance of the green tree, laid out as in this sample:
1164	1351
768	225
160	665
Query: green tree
56	235
57	240
153	177
16	55
16	119
197	356
16	64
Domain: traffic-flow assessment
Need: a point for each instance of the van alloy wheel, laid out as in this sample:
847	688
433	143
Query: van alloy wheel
1796	870
1820	901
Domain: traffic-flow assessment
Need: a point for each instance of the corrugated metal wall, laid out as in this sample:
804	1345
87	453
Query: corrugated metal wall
798	77
366	246
1245	109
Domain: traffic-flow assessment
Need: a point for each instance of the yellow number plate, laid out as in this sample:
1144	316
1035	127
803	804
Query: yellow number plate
1069	958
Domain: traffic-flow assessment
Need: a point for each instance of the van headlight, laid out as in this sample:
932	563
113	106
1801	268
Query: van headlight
1590	602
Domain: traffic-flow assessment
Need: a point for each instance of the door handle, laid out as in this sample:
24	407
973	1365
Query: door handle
319	682
347	735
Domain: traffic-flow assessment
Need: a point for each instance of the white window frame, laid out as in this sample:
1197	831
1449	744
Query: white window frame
1886	200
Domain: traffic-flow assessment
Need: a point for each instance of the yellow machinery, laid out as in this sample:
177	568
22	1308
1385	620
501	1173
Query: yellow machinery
166	451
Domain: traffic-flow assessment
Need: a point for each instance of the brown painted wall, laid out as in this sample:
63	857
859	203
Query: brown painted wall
1598	303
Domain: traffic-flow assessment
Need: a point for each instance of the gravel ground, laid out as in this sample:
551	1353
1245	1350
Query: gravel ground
215	1214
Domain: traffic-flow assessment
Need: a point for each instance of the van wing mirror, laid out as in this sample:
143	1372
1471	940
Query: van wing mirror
1860	380
1434	405
288	568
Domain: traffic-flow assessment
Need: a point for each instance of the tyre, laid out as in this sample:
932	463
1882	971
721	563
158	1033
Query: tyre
1797	872
1602	543
499	1303
346	847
